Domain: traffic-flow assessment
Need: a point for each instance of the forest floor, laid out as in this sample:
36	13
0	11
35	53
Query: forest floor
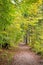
22	56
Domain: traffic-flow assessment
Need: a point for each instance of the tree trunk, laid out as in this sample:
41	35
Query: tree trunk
26	39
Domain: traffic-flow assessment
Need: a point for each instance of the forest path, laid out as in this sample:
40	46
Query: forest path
25	56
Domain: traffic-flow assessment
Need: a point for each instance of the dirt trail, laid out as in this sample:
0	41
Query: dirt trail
25	56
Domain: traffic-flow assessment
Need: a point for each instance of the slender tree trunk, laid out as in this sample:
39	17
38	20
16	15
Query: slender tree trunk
26	39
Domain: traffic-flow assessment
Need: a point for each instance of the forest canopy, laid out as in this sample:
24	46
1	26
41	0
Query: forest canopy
21	20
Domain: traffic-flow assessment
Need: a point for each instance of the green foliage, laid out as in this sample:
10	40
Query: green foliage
19	19
37	37
6	9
